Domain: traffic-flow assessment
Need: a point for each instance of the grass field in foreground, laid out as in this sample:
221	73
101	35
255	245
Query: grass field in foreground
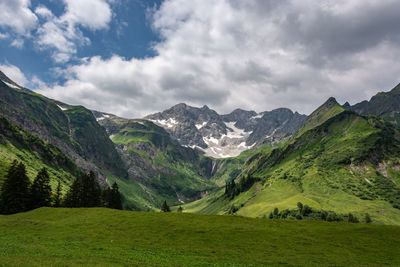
98	236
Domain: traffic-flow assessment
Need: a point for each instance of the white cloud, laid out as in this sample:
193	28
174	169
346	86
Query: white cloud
18	43
93	14
16	15
14	73
255	54
4	35
62	34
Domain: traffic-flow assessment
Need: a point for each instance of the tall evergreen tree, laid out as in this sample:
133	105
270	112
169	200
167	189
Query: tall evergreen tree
58	195
41	190
84	192
165	207
14	196
112	197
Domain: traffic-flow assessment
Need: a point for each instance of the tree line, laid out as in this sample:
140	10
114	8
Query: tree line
304	212
18	194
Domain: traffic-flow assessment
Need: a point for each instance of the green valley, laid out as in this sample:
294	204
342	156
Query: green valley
339	161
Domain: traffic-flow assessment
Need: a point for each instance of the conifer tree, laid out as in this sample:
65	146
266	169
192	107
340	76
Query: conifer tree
112	197
58	195
84	192
41	190
165	207
14	195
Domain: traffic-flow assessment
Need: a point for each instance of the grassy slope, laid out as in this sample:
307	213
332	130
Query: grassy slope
331	166
17	144
109	237
74	130
164	170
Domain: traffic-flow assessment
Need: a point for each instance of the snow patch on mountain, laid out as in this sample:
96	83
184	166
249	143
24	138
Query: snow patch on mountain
11	85
105	116
199	126
171	122
62	108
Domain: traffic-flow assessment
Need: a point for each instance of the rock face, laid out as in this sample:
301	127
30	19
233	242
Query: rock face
383	104
227	135
72	129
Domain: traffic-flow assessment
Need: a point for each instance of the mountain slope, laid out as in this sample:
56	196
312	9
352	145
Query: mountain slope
159	164
339	161
17	144
383	104
227	135
73	130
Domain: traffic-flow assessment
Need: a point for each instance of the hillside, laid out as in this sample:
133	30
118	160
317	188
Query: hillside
72	129
160	165
109	237
383	104
17	144
340	161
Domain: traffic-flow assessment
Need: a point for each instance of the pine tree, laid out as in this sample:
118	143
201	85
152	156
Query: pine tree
112	197
58	195
14	196
84	192
165	207
41	190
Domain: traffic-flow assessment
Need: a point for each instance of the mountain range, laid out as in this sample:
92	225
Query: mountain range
340	158
222	136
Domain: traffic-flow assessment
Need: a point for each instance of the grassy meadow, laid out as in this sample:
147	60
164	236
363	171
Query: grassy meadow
99	236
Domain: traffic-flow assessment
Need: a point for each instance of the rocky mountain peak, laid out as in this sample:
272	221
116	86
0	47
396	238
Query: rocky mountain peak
225	135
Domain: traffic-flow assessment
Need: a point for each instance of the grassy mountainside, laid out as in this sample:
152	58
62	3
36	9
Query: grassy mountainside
17	144
163	168
106	237
73	130
383	104
344	162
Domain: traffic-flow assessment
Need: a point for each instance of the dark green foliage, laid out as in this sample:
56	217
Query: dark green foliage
58	196
300	205
304	212
352	218
112	197
41	190
84	192
233	209
367	218
276	212
165	207
14	195
245	182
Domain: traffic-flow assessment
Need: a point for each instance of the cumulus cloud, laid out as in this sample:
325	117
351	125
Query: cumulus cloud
15	14
62	35
14	73
255	54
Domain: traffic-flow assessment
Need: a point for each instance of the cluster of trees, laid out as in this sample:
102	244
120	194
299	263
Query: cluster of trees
307	213
245	182
18	194
166	208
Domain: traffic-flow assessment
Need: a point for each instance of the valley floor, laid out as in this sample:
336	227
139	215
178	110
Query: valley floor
99	236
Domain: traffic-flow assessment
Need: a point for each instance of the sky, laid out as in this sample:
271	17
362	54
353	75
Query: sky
136	57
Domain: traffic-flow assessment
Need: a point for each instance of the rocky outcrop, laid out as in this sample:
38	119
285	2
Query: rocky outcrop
226	135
